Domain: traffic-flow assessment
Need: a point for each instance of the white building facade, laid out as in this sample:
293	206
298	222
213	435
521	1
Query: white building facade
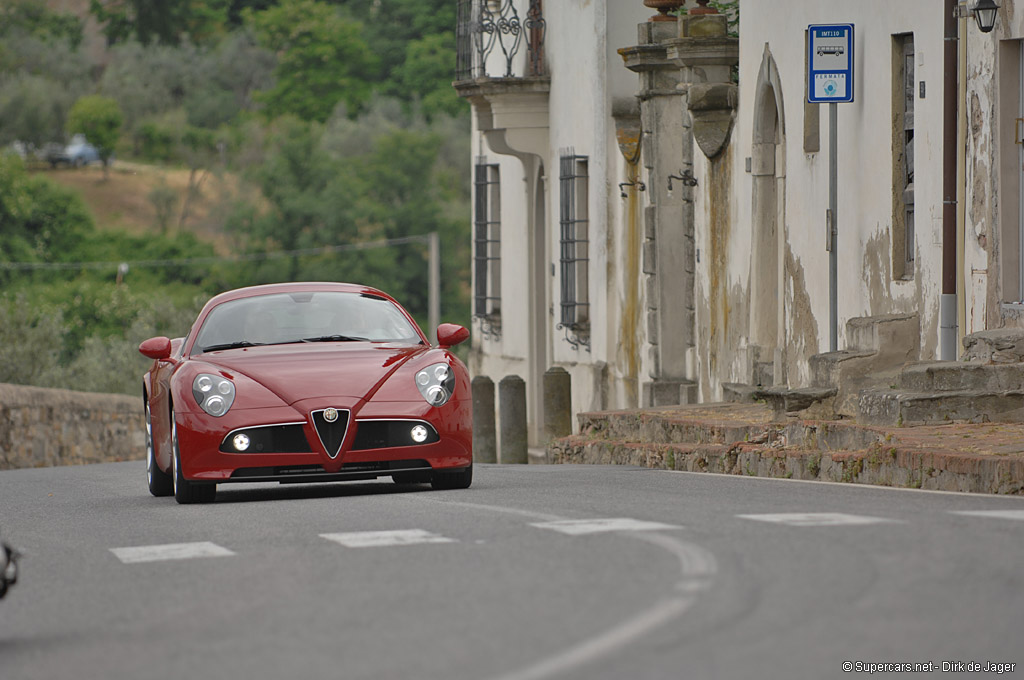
656	224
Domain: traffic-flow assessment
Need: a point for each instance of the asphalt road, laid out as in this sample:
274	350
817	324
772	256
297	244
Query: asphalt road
684	576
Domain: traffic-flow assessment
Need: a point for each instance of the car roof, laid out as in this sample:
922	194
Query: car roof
296	287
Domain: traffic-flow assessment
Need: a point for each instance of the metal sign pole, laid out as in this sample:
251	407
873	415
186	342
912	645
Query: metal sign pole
830	80
833	259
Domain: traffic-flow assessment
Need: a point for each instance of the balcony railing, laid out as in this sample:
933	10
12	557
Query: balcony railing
491	36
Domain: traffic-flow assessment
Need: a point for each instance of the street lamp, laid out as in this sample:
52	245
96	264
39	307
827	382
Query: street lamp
985	14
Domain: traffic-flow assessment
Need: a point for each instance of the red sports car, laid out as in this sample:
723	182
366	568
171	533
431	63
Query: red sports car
305	382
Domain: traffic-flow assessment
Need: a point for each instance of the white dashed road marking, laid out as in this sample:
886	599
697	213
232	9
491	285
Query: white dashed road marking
170	551
818	519
580	527
1001	514
377	539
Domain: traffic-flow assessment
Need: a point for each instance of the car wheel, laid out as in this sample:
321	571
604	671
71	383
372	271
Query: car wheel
453	480
184	490
160	483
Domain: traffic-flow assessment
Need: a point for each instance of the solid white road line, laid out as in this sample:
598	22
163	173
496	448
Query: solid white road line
170	551
818	519
378	539
581	527
606	643
1001	514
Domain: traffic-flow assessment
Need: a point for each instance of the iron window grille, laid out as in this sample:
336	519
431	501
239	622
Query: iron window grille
487	247
574	249
489	28
904	93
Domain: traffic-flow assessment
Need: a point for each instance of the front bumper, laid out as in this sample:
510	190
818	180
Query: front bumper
201	438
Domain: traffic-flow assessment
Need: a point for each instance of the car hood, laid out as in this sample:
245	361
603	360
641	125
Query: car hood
303	371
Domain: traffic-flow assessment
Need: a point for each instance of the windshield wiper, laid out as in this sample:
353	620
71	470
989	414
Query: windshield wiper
335	338
232	345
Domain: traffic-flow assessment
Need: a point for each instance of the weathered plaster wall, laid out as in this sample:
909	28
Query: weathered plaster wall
993	173
44	427
865	282
586	77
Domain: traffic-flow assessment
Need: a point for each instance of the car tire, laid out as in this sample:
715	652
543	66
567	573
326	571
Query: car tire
160	483
453	480
186	492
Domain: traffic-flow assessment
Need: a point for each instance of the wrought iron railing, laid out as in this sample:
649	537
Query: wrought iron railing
491	35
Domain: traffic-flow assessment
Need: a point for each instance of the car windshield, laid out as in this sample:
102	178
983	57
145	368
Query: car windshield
324	316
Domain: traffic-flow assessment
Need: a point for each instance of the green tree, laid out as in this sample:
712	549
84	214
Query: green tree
99	119
30	341
34	18
426	75
323	59
32	110
164	21
42	221
393	24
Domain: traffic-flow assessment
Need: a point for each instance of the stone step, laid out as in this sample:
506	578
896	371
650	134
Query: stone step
722	424
888	463
1000	346
738	393
887	407
960	376
891	334
805	402
827	367
875	465
672	425
578	449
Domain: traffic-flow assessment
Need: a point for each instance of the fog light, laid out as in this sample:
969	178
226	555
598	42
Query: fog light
419	434
241	442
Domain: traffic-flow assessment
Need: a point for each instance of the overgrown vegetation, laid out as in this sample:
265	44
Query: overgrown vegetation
335	122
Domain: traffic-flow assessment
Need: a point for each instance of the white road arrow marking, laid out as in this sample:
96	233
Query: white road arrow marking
818	519
377	539
170	551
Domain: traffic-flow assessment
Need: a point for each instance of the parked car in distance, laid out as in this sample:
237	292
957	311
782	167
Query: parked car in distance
76	154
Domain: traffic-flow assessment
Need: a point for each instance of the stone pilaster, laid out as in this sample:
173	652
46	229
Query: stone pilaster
687	101
668	251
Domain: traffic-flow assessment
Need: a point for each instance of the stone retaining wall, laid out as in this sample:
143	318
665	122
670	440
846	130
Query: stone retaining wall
43	427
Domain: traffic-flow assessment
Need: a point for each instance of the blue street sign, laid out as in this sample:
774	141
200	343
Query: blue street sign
830	63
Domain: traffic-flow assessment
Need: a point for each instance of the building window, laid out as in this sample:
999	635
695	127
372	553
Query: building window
575	249
903	93
487	246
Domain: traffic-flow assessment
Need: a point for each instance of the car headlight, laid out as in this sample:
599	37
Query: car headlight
436	383
213	393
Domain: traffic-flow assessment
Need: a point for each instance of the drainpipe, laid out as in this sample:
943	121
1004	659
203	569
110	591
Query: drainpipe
947	303
961	186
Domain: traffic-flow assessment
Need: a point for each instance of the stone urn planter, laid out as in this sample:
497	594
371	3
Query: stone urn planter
664	7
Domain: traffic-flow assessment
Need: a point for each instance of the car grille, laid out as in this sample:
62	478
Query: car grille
382	434
316	473
289	438
332	434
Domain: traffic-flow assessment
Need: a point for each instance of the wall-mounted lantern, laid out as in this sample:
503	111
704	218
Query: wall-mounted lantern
985	14
983	11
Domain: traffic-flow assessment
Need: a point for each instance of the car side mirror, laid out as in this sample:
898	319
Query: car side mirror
451	334
156	348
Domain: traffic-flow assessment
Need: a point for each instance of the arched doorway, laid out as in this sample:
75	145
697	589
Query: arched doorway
766	361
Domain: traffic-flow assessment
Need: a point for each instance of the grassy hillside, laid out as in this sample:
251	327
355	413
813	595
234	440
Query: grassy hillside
126	201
